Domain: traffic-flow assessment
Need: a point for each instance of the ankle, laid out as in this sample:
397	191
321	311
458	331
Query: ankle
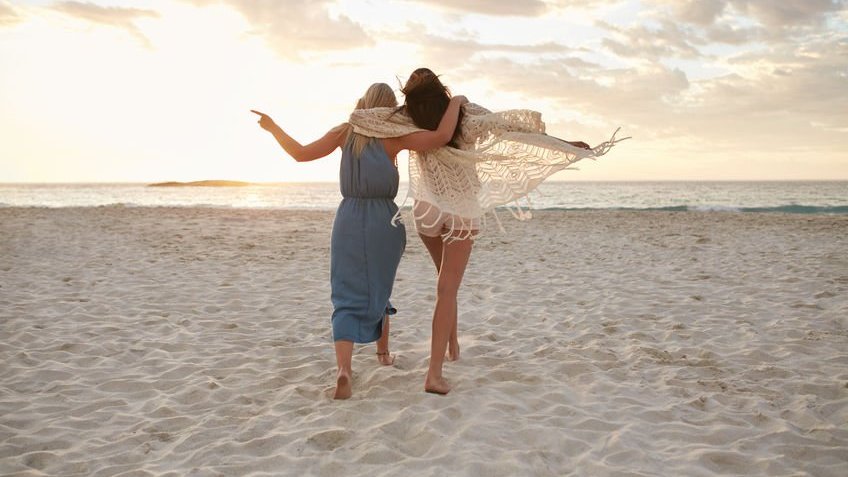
433	375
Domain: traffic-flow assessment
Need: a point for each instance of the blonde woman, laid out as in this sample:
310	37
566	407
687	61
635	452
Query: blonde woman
365	248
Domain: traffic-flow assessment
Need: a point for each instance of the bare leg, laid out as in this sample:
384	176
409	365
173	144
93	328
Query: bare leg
435	245
344	356
454	260
383	355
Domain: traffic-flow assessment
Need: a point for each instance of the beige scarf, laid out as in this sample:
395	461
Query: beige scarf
502	157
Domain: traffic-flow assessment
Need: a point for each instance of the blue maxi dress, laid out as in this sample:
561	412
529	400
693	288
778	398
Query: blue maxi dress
365	248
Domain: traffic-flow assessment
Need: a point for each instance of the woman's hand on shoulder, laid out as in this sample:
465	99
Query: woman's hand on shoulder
461	99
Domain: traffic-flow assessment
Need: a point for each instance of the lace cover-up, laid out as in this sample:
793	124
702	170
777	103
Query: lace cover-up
502	157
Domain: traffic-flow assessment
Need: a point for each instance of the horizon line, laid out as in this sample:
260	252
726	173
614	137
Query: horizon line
407	182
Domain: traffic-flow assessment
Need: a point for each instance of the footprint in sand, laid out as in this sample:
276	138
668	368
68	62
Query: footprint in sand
329	440
39	460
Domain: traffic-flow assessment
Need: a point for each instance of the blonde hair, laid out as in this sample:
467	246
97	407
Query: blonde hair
378	95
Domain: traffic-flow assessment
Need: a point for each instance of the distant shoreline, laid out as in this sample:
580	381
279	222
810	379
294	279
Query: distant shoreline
211	183
795	197
549	181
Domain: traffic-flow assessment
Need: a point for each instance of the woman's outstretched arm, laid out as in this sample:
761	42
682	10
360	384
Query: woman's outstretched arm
426	140
309	152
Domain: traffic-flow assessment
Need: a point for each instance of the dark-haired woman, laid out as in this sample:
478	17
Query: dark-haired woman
493	159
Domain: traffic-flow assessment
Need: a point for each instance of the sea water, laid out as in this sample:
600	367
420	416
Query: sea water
802	197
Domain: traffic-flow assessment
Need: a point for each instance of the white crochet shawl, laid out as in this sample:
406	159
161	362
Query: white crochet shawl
502	157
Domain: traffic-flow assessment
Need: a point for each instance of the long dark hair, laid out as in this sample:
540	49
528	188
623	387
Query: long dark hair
427	100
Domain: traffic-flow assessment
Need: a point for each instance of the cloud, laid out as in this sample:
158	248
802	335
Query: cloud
684	29
788	12
118	17
732	35
526	8
292	27
667	40
807	80
454	52
700	12
8	15
611	92
769	13
770	101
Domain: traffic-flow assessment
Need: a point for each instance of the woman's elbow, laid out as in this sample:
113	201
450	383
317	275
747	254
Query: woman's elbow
299	156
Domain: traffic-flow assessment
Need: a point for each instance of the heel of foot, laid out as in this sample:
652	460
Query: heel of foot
343	387
439	386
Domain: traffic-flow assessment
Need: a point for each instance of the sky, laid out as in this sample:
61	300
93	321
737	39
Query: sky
145	91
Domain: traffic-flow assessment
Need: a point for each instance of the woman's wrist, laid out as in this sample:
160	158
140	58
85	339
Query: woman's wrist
275	130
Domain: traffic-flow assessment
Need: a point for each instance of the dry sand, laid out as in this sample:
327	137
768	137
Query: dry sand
179	341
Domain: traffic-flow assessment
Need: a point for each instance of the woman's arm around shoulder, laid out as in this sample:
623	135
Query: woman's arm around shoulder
426	140
315	150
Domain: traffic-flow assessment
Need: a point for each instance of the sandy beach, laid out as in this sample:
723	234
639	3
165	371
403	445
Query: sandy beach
184	341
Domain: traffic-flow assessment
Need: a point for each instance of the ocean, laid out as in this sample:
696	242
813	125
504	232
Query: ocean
800	197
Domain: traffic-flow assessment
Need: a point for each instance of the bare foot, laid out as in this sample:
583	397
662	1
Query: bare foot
436	386
385	358
453	351
343	387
